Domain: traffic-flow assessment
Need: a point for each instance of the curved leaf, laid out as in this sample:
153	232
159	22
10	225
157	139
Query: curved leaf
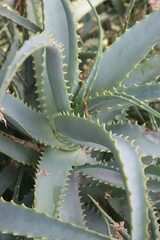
21	221
81	8
146	72
45	98
73	62
120	59
95	67
154	224
57	165
85	130
99	224
58	21
33	12
18	151
10	56
153	170
148	142
147	92
106	101
135	101
110	220
39	41
70	207
28	121
6	11
7	176
102	173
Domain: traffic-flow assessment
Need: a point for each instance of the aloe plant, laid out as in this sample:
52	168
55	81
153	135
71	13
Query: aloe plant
67	125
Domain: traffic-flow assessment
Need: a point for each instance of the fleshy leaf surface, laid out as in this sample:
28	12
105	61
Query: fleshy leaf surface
129	162
121	55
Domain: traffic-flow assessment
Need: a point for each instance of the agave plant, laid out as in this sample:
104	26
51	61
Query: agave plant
68	124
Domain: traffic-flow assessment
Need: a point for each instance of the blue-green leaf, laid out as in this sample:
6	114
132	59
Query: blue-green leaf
120	59
27	222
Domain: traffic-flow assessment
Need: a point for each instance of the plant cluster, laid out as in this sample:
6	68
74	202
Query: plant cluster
79	132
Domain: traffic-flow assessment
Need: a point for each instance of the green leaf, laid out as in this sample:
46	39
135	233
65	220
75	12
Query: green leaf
58	21
30	89
122	97
73	62
146	72
120	59
153	186
56	164
18	151
27	222
56	78
102	173
109	219
54	69
13	49
94	220
147	92
81	8
18	184
153	170
98	189
28	121
45	98
154	224
70	207
7	176
33	12
108	115
106	101
2	57
95	67
148	143
7	12
84	130
135	101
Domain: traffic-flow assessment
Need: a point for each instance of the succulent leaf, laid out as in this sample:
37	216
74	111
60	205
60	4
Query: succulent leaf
8	61
145	72
68	138
107	217
18	152
81	8
73	68
87	131
91	215
148	142
28	121
102	173
95	67
6	11
58	21
146	92
121	55
71	212
57	165
29	223
33	13
154	224
7	176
